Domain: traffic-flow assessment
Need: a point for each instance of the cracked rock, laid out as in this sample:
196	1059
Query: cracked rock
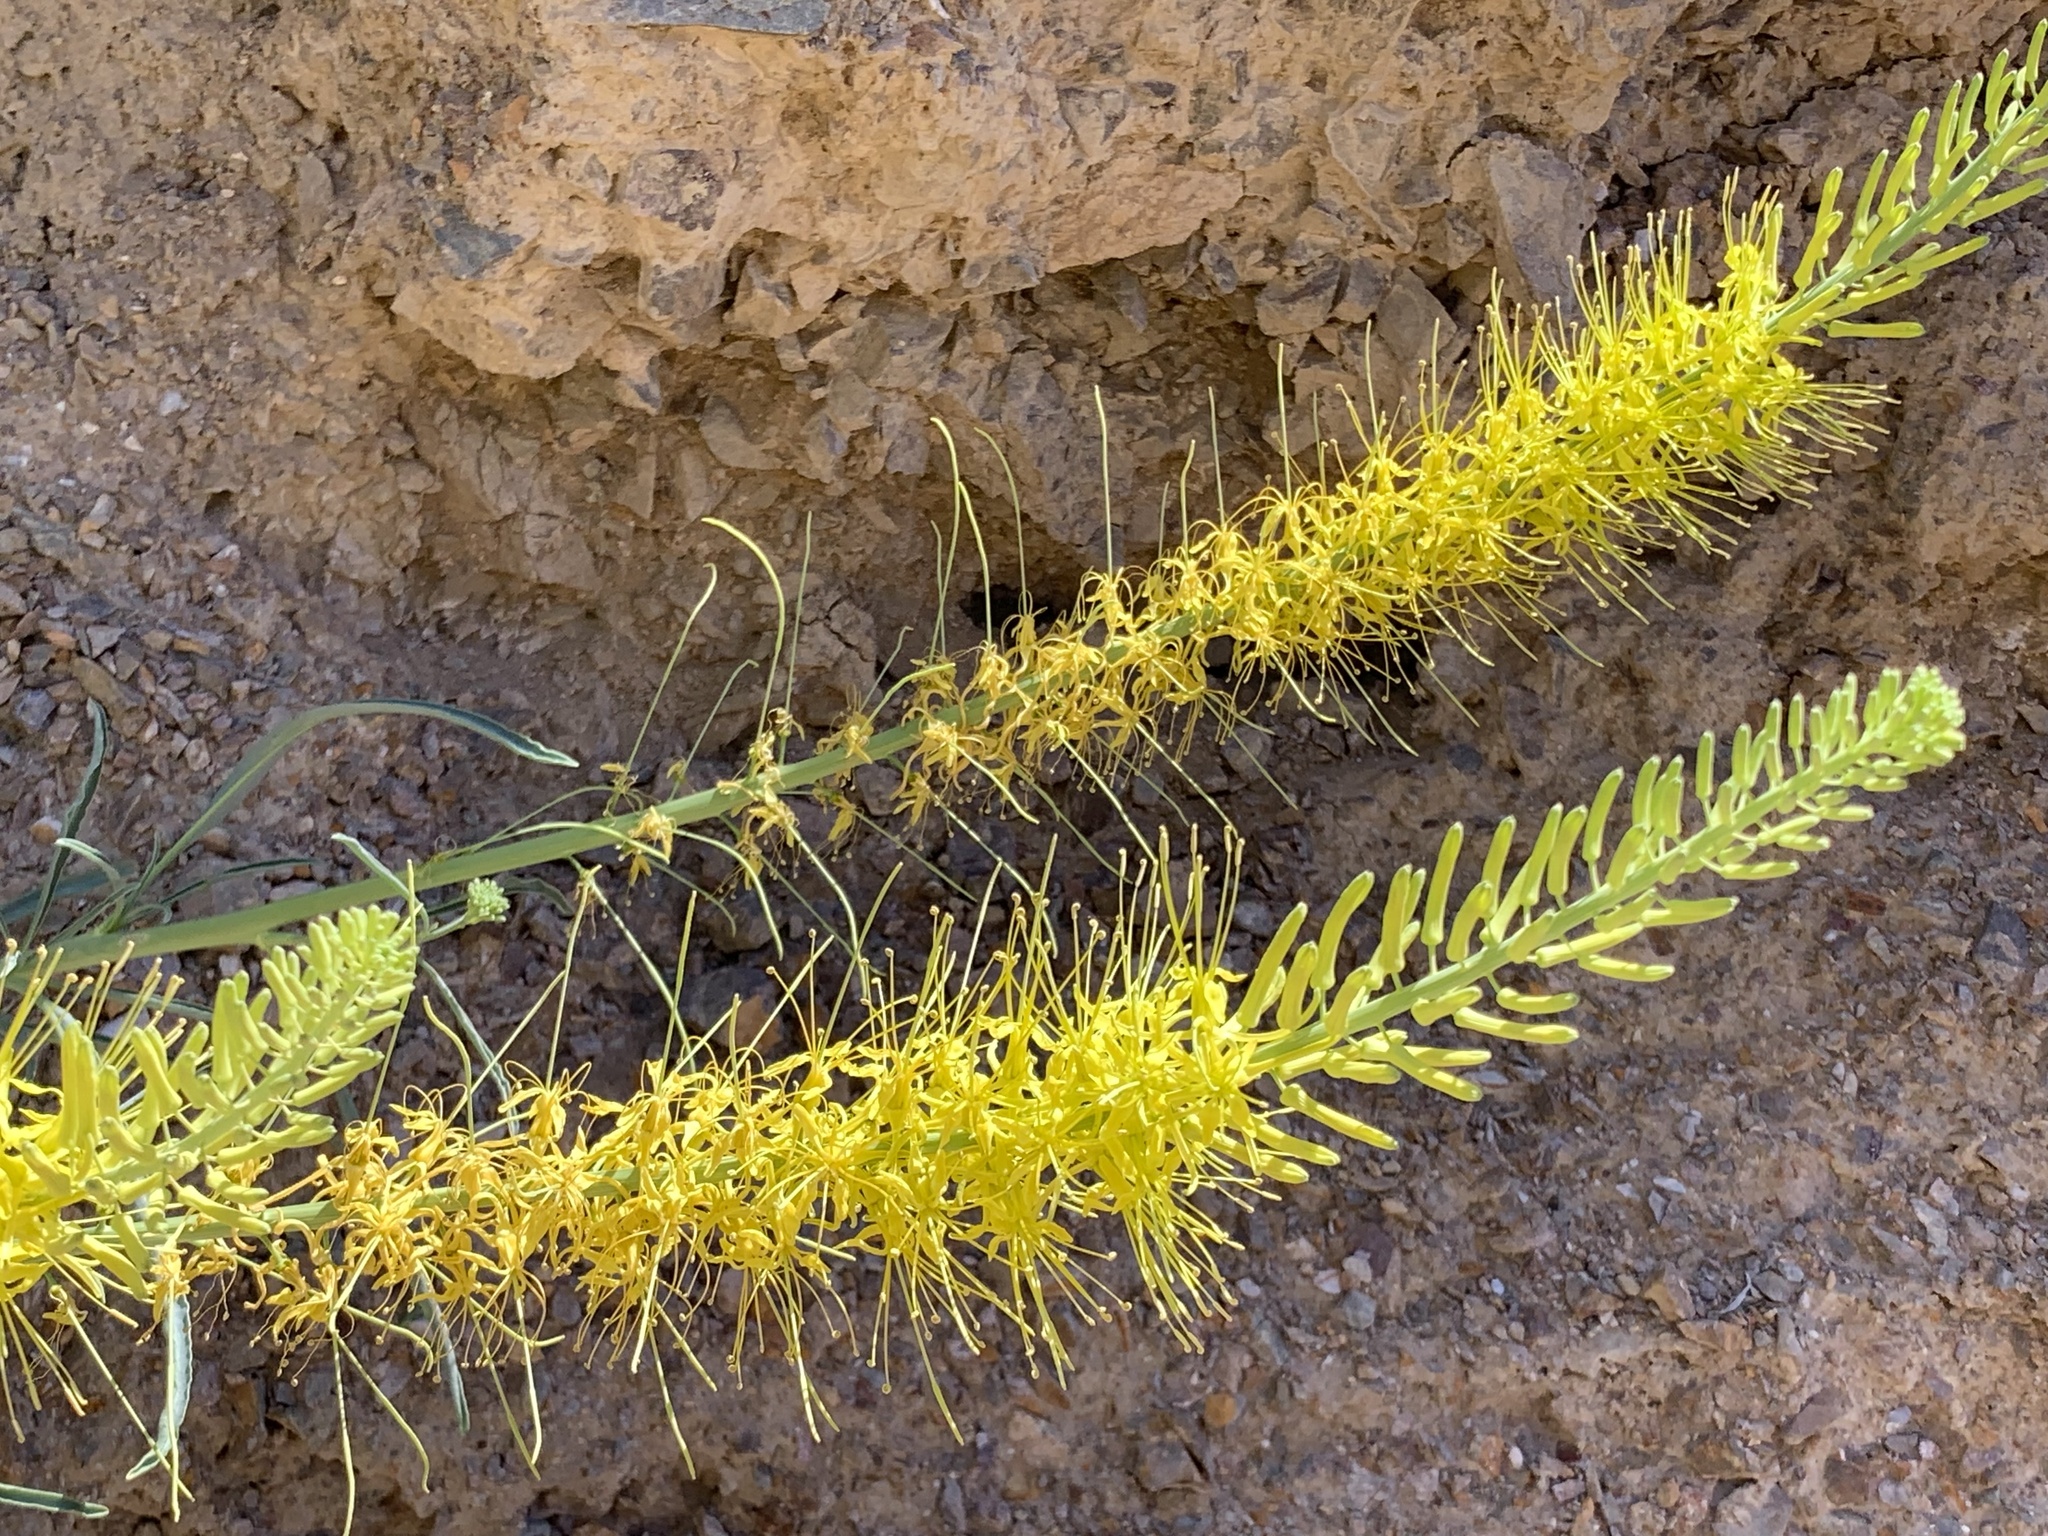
1757	1509
2001	949
1541	209
1365	280
33	709
727	438
1294	306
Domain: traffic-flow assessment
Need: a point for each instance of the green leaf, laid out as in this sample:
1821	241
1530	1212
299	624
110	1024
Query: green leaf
74	817
77	883
254	764
50	1503
272	745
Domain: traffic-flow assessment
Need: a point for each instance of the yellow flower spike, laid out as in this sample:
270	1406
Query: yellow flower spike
1588	444
999	1103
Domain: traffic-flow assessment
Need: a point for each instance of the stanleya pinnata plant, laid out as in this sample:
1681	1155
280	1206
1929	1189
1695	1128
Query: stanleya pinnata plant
959	1132
1588	442
999	1102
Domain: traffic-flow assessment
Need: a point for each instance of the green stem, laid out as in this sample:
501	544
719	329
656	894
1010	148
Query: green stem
255	923
249	924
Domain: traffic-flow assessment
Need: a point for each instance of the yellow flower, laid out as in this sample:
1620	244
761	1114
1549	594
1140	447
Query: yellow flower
971	1120
653	836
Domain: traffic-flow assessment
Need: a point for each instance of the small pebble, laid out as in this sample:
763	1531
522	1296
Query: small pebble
1359	1310
1671	1297
1220	1410
1776	1286
33	709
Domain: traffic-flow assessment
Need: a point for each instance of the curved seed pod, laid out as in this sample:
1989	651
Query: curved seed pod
1341	912
1515	1029
1440	886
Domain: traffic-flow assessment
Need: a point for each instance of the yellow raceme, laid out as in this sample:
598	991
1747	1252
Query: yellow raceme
171	1120
1587	445
1587	442
969	1125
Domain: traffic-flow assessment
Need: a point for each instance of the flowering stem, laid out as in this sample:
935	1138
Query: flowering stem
261	922
1906	724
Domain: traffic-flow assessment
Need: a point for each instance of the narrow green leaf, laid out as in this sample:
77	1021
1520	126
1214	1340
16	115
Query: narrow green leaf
80	882
445	1354
74	818
272	745
49	1503
177	1390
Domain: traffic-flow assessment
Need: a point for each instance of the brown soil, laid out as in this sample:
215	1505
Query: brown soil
379	348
